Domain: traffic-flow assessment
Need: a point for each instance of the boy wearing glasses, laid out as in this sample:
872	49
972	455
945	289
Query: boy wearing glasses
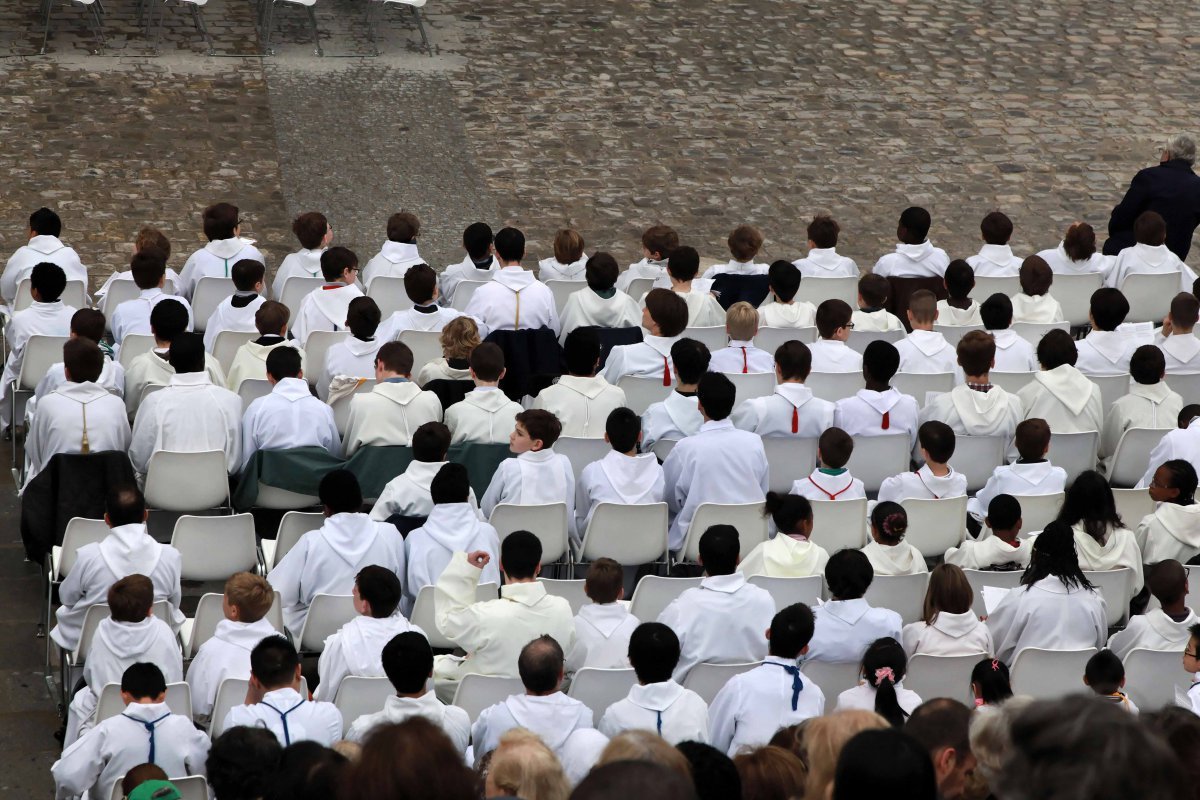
326	307
830	353
226	247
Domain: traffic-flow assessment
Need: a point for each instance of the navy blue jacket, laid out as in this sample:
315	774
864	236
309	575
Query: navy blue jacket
1171	189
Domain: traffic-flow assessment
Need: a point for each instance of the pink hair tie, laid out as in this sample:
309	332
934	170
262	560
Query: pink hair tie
995	665
885	672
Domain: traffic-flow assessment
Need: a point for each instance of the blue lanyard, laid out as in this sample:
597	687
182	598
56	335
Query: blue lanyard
287	735
149	726
797	683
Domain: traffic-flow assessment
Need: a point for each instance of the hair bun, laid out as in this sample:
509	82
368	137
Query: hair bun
895	525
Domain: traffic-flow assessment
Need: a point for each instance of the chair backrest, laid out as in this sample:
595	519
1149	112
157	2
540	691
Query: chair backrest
839	524
1112	388
118	292
80	531
858	340
1033	332
423	614
628	534
1074	294
464	291
213	548
789	591
1049	674
1037	510
132	346
570	590
109	704
562	290
748	518
953	333
600	688
326	615
292	526
818	290
833	386
934	526
74	295
986	286
1116	587
1011	382
1149	295
477	692
904	594
581	451
639	286
191	787
548	521
1132	455
283	500
295	289
1153	676
1186	386
227	343
251	389
878	457
41	352
187	481
833	677
1133	505
707	679
976	457
713	337
426	346
789	459
231	693
207	295
654	593
663	447
770	339
316	348
1074	452
641	392
751	384
341	406
979	578
920	385
941	676
358	696
388	293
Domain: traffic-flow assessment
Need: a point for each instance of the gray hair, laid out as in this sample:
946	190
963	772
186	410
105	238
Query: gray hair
991	735
1183	147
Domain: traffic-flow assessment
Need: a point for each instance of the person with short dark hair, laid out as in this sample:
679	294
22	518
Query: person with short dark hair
514	299
958	308
315	234
242	763
830	353
1076	254
394	408
1004	550
222	225
977	407
479	264
995	258
1014	353
274	702
149	269
327	560
1104	674
722	620
915	255
1149	403
624	476
42	246
250	361
1150	255
354	356
169	319
1182	443
678	415
399	253
237	312
421	286
744	243
1105	350
409	493
719	464
883	762
1176	339
823	259
603	626
847	624
485	414
785	311
831	480
46	316
536	474
791	410
1059	393
664	317
1030	474
581	399
872	314
936	479
1172	531
599	304
682	267
879	409
1034	303
924	350
290	416
658	242
327	307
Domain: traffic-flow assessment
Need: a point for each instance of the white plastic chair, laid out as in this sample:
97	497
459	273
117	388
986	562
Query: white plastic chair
941	676
1112	388
581	451
1153	676
839	524
293	525
389	294
976	458
547	521
979	578
118	292
316	348
74	295
986	286
771	339
424	616
834	386
295	289
231	693
789	459
1074	452
954	333
1011	382
477	692
1132	455
639	287
132	346
654	593
1186	386
789	591
269	24
751	384
187	482
1049	674
209	613
562	290
1074	294
934	526
207	295
1133	505
414	7
326	615
876	458
629	534
213	548
663	447
1116	587
600	688
1033	332
921	385
713	337
569	589
95	21
833	677
818	290
748	518
904	594
227	344
179	700
1149	295
858	340
196	7
341	406
41	352
358	696
426	346
1037	510
642	392
72	662
78	533
463	293
251	389
706	679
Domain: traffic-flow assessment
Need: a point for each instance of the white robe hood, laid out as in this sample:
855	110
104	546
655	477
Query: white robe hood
882	402
363	640
334	304
588	387
245	635
552	717
349	536
981	411
930	343
1070	386
541	476
917	253
995	259
1181	347
515	278
897	559
1182	522
126	640
129	550
784	555
228	248
684	411
1112	345
956	626
605	618
453	526
399	252
631	477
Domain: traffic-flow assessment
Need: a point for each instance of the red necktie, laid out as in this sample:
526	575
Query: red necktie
887	420
795	420
666	372
745	362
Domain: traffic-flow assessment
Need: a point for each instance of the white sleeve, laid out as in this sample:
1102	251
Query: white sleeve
145	433
80	766
331	669
722	716
454	604
495	493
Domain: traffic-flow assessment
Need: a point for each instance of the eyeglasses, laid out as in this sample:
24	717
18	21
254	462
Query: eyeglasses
1186	654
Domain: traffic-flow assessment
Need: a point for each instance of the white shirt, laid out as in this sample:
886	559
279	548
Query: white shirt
39	319
552	717
864	414
1014	353
1050	615
533	478
407	494
1036	308
429	317
1039	477
582	404
642	269
951	315
990	553
250	361
153	369
824	262
1104	353
392	261
734	267
64	417
650	358
790	411
324	309
923	485
672	419
831	355
797	314
972	413
1065	398
617	478
894	559
215	260
585	307
133	316
741	357
453	721
389	414
1172	531
703	309
357	650
514	300
1144	259
720	621
913	261
784	557
948	635
1153	630
673	712
823	485
862	697
925	352
484	415
352	357
37	250
551	269
1180	443
454	274
752	706
287	418
303	263
112	378
290	717
995	261
225	655
875	321
846	628
450	528
1181	351
1146	406
228	317
602	634
1060	263
1119	549
189	416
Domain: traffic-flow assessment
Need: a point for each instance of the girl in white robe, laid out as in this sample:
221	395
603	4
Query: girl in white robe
1034	303
949	627
883	668
990	683
888	553
959	308
790	554
1173	530
1101	538
1076	253
602	308
1003	549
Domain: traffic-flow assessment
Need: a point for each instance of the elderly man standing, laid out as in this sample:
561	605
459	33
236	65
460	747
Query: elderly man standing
1172	189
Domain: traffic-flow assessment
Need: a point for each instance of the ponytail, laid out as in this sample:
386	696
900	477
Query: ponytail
890	522
884	665
787	511
991	676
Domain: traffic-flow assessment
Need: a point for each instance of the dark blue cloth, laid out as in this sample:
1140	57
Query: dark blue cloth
1173	190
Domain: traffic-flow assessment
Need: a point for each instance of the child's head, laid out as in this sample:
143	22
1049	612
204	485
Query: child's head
791	513
996	312
47	281
793	359
848	574
1079	242
833	319
340	492
834	448
990	683
459	339
823	232
408	662
604	582
1104	673
88	323
131	598
937	441
221	221
791	631
1174	482
976	353
996	228
310	229
521	555
152	237
683	264
1187	414
716	394
948	591
601	272
659	242
581	351
339	264
247	274
363	317
741	321
1147	365
1185	310
623	429
431	442
477	240
420	284
282	362
881	361
653	652
143	683
914	225
922	307
784	279
274	664
1168	583
666	313
82	360
873	290
889	523
394	359
1054	554
536	429
403	227
1150	228
148	268
271	318
1055	349
691	359
1032	439
568	246
884	665
1004	517
452	484
376	592
487	362
248	597
1108	308
1036	276
719	549
959	280
744	242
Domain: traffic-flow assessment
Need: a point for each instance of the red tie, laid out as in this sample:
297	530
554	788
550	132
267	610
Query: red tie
887	420
745	362
795	420
666	372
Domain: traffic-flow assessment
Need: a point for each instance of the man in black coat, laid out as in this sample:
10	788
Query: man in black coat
1172	189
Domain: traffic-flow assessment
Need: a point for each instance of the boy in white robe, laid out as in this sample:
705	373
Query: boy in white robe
147	237
830	352
872	314
623	476
353	357
1150	403
1182	443
600	304
976	407
658	243
1004	549
936	479
1030	474
791	410
46	316
189	415
538	474
1172	531
236	312
408	664
226	247
1034	303
149	269
925	350
479	264
995	258
409	493
879	409
740	355
753	705
485	414
664	319
703	309
581	399
1060	394
514	300
785	311
679	415
86	323
357	648
390	413
246	601
1104	674
656	702
915	255
315	234
1076	254
399	252
568	262
1149	256
722	620
959	308
130	635
168	320
603	626
718	464
325	308
847	624
1180	346
420	284
43	246
887	551
274	701
1014	353
1105	350
326	561
146	732
791	553
744	243
250	361
1163	628
289	417
831	480
823	259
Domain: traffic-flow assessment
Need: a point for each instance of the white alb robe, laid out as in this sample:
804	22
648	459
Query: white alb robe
440	369
948	635
741	357
703	309
720	621
66	416
215	260
303	263
1036	308
551	269
514	300
913	261
1104	353
790	411
991	553
287	418
878	321
922	484
1048	614
617	478
602	634
225	655
172	280
735	267
324	309
133	316
825	262
846	628
1119	549
357	650
831	355
824	484
554	718
450	528
1065	398
585	307
1180	443
250	362
797	314
464	270
872	413
1061	263
785	556
431	317
582	404
1018	480
1151	405
352	357
305	720
37	250
389	414
1153	630
153	369
674	418
649	358
1181	351
112	378
752	706
392	261
453	721
1144	259
972	413
39	319
995	261
408	495
925	352
895	559
862	698
533	478
228	317
190	415
951	315
656	270
1172	531
484	415
673	712
1014	353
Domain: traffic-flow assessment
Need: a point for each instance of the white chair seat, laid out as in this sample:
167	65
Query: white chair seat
771	339
1037	510
207	295
1049	674
789	591
833	678
547	521
1074	294
629	534
789	459
326	615
477	692
187	481
876	458
751	384
834	386
713	337
818	290
600	688
934	526
858	340
839	524
581	451
1153	677
904	594
1074	452
213	548
748	518
358	696
1132	455
569	589
563	289
976	458
641	393
942	676
654	593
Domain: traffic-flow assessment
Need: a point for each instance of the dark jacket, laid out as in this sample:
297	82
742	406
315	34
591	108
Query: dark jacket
1171	189
71	485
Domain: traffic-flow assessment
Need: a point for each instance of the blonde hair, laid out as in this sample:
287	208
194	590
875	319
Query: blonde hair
523	766
640	745
459	338
568	246
742	321
250	594
824	739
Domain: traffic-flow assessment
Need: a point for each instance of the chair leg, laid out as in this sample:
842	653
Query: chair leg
198	18
95	15
45	40
312	20
421	27
371	27
267	25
